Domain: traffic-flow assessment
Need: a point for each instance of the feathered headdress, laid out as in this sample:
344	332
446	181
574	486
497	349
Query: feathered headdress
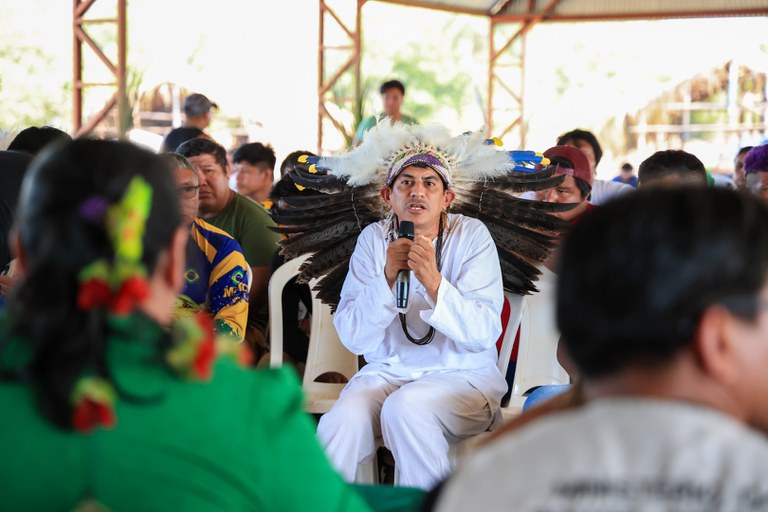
483	178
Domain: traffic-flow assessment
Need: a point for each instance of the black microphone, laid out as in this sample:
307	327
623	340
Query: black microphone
404	276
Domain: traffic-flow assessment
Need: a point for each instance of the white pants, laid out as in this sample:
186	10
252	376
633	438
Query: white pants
417	420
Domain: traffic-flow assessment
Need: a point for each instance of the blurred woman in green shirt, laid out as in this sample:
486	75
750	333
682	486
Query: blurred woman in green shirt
107	404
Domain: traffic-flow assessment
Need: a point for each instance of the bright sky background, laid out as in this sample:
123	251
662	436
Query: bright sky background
258	59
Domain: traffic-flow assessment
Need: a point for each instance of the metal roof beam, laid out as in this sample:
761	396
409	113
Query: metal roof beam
528	23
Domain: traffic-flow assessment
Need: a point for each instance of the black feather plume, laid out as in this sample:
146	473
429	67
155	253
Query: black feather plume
327	224
319	240
323	261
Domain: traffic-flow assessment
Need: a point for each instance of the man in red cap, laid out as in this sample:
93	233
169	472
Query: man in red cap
576	187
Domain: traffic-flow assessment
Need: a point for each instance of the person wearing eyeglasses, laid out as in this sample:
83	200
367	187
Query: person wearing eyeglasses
216	275
247	221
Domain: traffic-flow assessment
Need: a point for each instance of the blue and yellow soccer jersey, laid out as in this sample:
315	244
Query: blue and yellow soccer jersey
216	279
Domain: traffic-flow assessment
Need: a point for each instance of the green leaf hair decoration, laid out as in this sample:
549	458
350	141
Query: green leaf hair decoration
120	284
127	220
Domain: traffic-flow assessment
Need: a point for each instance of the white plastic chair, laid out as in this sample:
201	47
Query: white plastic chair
516	304
537	363
249	273
277	282
326	353
460	449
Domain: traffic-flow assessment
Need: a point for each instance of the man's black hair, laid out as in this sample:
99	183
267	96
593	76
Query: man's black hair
255	153
33	139
584	187
743	151
201	146
582	135
392	84
671	162
626	166
636	275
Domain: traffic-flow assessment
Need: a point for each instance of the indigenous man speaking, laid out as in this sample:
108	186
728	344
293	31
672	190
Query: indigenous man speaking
431	377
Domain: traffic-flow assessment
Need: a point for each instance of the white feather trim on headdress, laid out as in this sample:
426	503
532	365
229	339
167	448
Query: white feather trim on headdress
484	180
468	158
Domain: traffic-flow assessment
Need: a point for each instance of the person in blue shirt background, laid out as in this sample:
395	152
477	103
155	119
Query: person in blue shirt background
627	175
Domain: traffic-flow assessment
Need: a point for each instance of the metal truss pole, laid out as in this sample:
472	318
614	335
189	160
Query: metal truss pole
351	64
81	40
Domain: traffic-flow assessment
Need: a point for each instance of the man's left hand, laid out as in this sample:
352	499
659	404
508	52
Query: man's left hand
422	261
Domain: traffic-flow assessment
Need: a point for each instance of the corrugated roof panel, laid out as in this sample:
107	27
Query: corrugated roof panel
468	6
653	8
598	9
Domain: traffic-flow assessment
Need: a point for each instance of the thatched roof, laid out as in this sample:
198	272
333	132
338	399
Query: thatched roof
704	88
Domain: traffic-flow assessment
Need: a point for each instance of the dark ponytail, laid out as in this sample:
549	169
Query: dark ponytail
58	243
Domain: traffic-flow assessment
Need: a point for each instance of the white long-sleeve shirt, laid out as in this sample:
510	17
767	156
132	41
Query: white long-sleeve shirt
466	316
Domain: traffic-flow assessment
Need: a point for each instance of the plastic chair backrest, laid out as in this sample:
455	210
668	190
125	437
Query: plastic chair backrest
277	282
326	353
249	273
537	363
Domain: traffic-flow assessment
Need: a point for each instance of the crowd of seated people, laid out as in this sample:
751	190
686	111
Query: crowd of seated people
135	310
141	410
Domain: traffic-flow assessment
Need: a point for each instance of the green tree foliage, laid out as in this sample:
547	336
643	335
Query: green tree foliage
444	71
27	96
428	90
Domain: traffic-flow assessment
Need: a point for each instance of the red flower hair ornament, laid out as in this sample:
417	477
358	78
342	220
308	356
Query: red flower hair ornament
93	401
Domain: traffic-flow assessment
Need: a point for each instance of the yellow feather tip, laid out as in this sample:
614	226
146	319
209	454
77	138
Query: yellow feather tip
497	141
299	187
312	169
545	161
303	159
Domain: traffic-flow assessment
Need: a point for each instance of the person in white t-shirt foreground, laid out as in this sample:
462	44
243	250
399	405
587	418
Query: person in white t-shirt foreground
602	190
663	306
